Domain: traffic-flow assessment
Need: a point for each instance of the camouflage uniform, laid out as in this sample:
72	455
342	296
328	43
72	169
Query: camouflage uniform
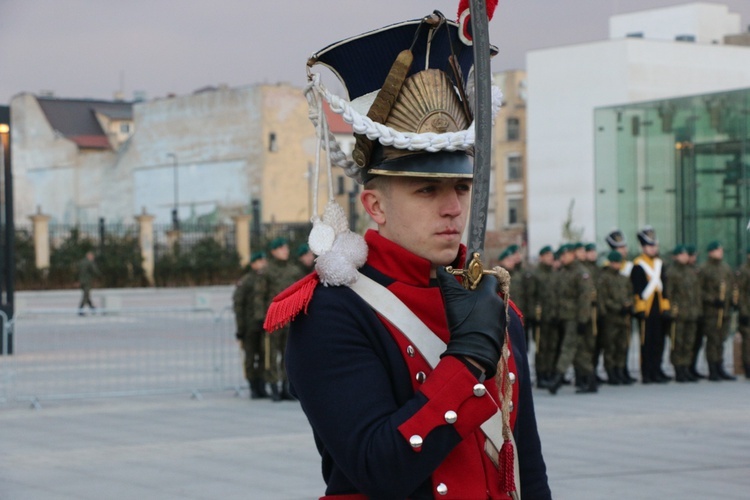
583	361
543	309
575	291
683	291
715	279
279	275
743	303
614	303
249	312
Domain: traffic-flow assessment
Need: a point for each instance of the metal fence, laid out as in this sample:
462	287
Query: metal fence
58	354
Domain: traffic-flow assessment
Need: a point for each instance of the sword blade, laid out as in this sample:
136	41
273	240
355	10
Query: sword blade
482	126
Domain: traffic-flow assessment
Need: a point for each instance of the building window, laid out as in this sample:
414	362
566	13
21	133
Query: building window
515	168
514	129
272	145
125	128
340	185
515	212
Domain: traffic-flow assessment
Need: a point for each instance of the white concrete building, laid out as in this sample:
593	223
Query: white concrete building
642	60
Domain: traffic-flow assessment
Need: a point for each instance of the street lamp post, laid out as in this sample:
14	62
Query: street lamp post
175	177
8	239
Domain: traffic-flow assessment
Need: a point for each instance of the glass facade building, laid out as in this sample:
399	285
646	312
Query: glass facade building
681	165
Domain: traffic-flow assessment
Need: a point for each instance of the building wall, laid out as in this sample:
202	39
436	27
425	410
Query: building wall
567	83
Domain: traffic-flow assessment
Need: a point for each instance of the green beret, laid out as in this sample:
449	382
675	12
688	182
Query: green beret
590	246
505	254
614	256
546	249
256	256
303	249
513	248
577	245
278	242
713	246
679	249
690	249
566	247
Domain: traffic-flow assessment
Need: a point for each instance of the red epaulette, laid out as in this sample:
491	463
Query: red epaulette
289	303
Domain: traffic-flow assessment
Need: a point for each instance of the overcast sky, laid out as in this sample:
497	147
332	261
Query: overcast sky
92	48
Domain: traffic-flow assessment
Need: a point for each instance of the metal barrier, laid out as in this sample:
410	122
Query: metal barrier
59	354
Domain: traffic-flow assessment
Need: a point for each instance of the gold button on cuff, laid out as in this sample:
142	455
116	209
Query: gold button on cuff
415	441
451	416
512	377
421	377
479	390
410	351
442	489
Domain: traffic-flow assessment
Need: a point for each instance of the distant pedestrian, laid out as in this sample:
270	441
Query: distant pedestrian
87	271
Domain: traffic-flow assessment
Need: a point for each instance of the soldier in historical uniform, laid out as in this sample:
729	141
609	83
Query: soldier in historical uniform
615	302
280	273
543	308
716	282
87	272
650	306
403	411
684	295
742	284
575	291
249	314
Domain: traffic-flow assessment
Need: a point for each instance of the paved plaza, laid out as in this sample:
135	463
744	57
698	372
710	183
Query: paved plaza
673	441
645	442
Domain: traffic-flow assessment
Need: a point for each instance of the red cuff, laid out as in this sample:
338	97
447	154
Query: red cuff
454	397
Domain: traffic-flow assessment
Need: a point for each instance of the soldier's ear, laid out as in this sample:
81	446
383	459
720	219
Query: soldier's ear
372	201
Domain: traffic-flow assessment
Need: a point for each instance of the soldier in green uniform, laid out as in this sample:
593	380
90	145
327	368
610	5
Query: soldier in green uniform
683	291
585	368
692	265
543	310
280	274
742	283
305	258
615	303
87	271
715	279
249	313
575	289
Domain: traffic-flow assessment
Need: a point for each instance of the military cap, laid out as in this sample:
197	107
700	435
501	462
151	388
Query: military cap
577	245
566	247
257	256
590	246
303	249
679	249
505	254
647	236
406	133
278	242
616	239
614	256
545	249
690	249
713	246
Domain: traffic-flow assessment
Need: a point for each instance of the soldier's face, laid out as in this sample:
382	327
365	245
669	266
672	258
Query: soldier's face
547	258
424	215
682	258
651	250
716	254
281	253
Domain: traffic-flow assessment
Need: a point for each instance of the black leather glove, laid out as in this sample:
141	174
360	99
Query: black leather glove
719	304
744	321
640	316
581	328
624	310
666	315
476	320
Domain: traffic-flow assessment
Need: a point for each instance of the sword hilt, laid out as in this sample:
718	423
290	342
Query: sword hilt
474	271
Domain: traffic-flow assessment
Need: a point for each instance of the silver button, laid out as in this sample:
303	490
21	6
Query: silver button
410	351
510	405
451	416
421	377
442	489
415	441
479	390
512	377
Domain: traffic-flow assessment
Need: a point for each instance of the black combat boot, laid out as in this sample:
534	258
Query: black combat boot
542	380
713	372
555	382
275	395
723	374
747	372
613	378
588	385
625	376
695	373
285	394
680	374
258	389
